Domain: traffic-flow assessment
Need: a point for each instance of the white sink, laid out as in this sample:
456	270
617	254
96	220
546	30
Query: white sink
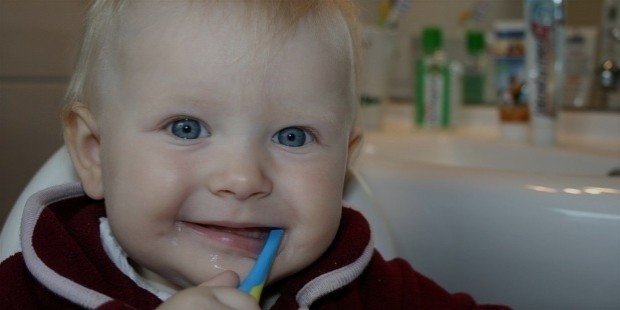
531	227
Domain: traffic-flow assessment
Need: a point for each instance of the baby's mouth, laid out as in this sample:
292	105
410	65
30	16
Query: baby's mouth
259	233
248	240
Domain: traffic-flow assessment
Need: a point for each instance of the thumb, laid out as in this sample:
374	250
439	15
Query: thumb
225	278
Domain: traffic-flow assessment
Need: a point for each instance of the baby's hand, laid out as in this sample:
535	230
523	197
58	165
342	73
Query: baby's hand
218	293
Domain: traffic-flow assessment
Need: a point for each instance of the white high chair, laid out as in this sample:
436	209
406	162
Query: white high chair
58	170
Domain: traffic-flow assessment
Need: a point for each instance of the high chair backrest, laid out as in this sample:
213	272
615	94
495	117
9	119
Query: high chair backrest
57	170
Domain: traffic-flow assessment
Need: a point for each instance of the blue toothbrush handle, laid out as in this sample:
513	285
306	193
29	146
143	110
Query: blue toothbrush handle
254	282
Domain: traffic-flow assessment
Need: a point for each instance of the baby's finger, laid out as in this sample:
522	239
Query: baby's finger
226	278
221	285
210	297
235	299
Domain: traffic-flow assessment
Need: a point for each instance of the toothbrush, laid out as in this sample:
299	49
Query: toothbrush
254	282
399	8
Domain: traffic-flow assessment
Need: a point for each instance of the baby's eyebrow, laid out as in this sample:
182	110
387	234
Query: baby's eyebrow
330	119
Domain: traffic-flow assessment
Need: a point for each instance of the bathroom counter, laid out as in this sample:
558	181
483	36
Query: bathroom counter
578	131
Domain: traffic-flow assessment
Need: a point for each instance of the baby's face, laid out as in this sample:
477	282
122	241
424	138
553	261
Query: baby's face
208	141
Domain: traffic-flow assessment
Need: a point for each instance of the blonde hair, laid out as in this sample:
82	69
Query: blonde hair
281	15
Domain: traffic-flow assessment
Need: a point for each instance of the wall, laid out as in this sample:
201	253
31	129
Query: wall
38	44
445	14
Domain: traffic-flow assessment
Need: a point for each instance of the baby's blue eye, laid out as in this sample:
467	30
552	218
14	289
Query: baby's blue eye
187	129
292	137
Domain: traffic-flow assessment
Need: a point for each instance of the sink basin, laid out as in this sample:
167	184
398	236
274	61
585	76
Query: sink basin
456	151
503	222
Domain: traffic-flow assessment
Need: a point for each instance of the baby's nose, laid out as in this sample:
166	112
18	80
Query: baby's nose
240	176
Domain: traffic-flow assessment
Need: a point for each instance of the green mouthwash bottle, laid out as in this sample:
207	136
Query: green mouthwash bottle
475	76
432	89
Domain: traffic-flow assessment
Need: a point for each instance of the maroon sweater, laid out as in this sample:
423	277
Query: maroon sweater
64	265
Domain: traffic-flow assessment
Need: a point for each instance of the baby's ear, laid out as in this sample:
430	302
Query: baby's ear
81	135
355	144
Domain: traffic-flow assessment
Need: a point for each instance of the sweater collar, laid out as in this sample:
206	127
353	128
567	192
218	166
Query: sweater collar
62	249
343	262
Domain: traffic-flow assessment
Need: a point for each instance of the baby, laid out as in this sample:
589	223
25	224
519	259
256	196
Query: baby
196	127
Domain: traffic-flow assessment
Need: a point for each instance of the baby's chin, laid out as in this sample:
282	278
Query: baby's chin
173	278
170	284
289	263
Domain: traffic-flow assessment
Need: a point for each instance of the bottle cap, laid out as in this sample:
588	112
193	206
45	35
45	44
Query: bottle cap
509	29
431	40
475	42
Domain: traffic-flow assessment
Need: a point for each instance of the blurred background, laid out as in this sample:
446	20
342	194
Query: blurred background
39	41
38	45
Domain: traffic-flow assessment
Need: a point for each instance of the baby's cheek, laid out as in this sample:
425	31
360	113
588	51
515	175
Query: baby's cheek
302	249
